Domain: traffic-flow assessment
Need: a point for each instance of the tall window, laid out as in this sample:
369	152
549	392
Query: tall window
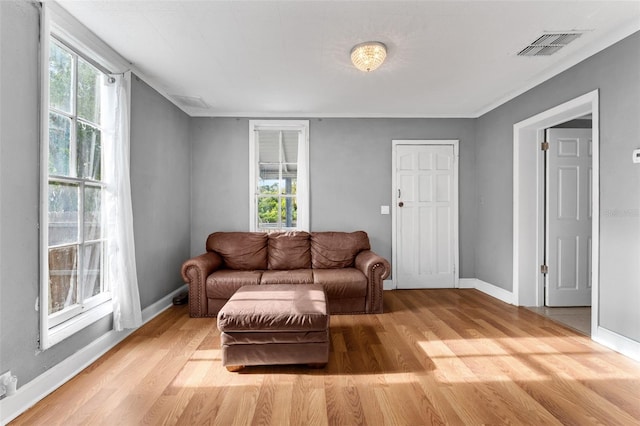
279	180
75	186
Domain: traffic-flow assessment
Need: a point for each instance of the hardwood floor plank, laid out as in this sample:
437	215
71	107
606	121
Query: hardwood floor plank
436	357
343	401
308	402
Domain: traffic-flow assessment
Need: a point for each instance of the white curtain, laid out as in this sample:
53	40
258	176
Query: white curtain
120	253
303	181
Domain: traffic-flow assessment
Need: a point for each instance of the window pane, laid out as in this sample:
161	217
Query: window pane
59	142
269	146
92	213
268	186
269	162
89	81
289	209
63	273
289	184
60	78
89	151
290	146
92	270
63	213
268	212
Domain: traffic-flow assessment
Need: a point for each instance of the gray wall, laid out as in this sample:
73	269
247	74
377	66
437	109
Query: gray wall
616	73
160	181
350	176
159	146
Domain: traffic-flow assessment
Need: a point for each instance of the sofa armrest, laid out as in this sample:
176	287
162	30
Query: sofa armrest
195	272
376	269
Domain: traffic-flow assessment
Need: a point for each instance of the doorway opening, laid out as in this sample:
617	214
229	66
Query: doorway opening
528	201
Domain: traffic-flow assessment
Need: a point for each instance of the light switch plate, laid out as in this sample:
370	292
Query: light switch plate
636	156
384	209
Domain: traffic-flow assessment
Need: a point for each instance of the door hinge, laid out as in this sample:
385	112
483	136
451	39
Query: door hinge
544	269
544	146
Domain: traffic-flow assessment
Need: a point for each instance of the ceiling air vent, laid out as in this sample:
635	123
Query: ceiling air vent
549	43
191	101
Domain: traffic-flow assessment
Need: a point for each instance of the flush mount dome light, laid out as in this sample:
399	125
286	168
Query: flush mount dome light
369	55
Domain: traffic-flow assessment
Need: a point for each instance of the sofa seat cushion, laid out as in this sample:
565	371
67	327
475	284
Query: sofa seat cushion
224	283
341	283
244	251
331	250
296	276
289	250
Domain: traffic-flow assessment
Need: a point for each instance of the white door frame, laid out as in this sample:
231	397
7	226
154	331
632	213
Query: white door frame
394	190
528	285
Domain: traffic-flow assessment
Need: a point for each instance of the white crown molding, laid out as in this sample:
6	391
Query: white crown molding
603	42
200	113
68	28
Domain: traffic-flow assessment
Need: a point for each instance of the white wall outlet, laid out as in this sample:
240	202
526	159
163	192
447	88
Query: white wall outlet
636	155
384	209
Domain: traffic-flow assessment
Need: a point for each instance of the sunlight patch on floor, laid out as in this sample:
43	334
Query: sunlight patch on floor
482	360
208	354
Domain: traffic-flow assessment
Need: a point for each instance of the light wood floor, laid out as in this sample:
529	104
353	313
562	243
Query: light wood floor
577	318
434	357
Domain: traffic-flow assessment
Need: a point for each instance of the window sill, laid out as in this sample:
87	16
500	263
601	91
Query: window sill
68	328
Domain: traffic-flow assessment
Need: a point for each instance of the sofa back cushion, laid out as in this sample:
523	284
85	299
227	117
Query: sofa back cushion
289	250
337	249
243	251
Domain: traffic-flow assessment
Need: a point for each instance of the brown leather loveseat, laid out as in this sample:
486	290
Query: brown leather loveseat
342	262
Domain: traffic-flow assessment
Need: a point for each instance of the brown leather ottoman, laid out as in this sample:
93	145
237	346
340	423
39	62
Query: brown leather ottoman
275	324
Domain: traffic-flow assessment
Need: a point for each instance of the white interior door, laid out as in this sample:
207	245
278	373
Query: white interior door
569	244
425	214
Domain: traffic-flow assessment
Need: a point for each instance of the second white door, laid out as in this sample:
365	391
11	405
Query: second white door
569	171
426	214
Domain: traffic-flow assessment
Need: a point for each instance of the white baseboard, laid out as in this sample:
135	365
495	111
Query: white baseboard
32	392
617	342
490	289
614	341
467	283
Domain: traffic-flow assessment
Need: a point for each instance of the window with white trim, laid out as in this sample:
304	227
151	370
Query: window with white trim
75	290
279	175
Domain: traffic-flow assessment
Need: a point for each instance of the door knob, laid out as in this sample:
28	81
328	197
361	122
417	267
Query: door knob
400	204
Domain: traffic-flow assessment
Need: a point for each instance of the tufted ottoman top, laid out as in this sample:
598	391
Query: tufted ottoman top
275	308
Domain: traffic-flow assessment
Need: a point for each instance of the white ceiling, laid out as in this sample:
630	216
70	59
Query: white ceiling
291	58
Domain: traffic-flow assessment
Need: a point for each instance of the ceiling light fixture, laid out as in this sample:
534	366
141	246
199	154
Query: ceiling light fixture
369	55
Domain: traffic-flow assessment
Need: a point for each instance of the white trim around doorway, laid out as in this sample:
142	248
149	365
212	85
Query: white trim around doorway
528	287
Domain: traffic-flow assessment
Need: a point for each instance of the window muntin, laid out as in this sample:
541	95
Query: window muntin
76	243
